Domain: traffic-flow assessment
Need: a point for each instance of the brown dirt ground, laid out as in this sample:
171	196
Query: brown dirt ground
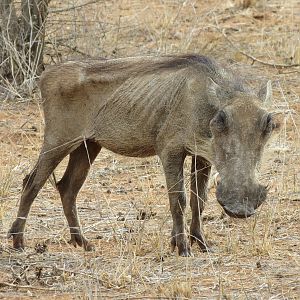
257	258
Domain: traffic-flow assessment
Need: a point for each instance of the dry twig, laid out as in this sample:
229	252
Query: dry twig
28	287
53	11
254	59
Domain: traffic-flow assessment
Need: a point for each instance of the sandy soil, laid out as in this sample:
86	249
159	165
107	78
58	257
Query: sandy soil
257	258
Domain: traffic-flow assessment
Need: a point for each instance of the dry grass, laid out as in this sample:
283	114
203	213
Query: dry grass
257	258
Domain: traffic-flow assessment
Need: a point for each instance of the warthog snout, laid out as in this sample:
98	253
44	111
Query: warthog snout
238	203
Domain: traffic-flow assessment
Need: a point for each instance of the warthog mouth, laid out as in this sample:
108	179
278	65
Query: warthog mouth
237	206
238	215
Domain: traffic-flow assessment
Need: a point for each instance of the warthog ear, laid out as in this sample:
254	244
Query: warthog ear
267	124
219	122
213	90
265	93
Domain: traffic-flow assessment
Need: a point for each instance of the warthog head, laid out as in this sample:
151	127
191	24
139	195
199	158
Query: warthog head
240	131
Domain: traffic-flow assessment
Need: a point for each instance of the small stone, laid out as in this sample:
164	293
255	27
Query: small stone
40	248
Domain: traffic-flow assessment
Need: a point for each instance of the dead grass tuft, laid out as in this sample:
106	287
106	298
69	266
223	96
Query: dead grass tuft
176	290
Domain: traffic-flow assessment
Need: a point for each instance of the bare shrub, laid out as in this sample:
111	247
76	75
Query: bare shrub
22	31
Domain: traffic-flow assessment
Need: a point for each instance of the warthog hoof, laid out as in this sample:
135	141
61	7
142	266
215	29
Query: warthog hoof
81	241
18	239
196	237
182	244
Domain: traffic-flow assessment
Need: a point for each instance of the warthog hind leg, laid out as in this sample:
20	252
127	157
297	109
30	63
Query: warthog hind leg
200	170
70	184
47	162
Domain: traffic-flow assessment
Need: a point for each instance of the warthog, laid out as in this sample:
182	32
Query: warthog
173	107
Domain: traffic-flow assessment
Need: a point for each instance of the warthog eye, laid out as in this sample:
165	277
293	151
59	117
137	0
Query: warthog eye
220	121
268	124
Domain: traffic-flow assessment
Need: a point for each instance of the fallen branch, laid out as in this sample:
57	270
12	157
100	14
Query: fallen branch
80	273
54	11
28	287
276	65
73	48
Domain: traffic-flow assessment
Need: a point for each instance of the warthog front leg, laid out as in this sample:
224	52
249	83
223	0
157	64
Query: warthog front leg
173	167
199	176
70	184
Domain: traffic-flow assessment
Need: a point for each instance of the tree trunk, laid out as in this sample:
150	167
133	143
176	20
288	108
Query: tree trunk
22	39
9	39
